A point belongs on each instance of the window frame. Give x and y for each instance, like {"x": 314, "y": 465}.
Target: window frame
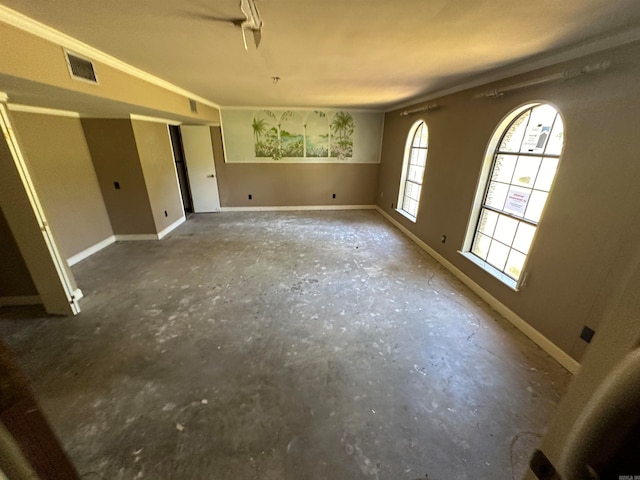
{"x": 482, "y": 188}
{"x": 406, "y": 163}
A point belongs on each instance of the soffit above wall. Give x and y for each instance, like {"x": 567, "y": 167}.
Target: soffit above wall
{"x": 359, "y": 53}
{"x": 25, "y": 92}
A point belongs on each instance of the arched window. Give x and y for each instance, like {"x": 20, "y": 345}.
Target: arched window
{"x": 523, "y": 156}
{"x": 415, "y": 160}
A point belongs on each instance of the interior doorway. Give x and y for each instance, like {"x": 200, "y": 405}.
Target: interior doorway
{"x": 181, "y": 168}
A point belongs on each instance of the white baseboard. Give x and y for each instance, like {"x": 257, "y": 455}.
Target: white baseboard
{"x": 170, "y": 228}
{"x": 77, "y": 294}
{"x": 297, "y": 208}
{"x": 78, "y": 257}
{"x": 20, "y": 300}
{"x": 543, "y": 342}
{"x": 134, "y": 237}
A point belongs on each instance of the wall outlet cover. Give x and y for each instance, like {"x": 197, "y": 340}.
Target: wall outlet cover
{"x": 587, "y": 334}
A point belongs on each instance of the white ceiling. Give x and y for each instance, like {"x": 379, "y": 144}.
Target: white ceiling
{"x": 347, "y": 53}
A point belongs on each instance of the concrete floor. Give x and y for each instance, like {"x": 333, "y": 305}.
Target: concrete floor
{"x": 296, "y": 345}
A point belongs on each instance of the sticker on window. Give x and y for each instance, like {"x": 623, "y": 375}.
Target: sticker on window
{"x": 517, "y": 201}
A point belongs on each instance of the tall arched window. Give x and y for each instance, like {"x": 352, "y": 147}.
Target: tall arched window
{"x": 523, "y": 166}
{"x": 415, "y": 160}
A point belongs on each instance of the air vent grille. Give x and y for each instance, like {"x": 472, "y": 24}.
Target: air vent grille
{"x": 193, "y": 106}
{"x": 81, "y": 68}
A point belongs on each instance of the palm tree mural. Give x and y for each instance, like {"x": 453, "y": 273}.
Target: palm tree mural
{"x": 342, "y": 127}
{"x": 317, "y": 135}
{"x": 281, "y": 134}
{"x": 259, "y": 126}
{"x": 272, "y": 145}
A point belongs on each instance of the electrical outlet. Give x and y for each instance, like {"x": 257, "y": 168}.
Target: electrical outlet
{"x": 116, "y": 185}
{"x": 444, "y": 239}
{"x": 587, "y": 334}
{"x": 334, "y": 195}
{"x": 166, "y": 214}
{"x": 250, "y": 196}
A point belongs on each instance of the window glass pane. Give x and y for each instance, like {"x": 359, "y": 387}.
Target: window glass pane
{"x": 539, "y": 129}
{"x": 546, "y": 174}
{"x": 412, "y": 191}
{"x": 505, "y": 229}
{"x": 418, "y": 156}
{"x": 526, "y": 171}
{"x": 410, "y": 206}
{"x": 524, "y": 236}
{"x": 421, "y": 137}
{"x": 514, "y": 265}
{"x": 513, "y": 138}
{"x": 481, "y": 246}
{"x": 487, "y": 222}
{"x": 503, "y": 168}
{"x": 556, "y": 140}
{"x": 536, "y": 204}
{"x": 407, "y": 191}
{"x": 497, "y": 255}
{"x": 415, "y": 173}
{"x": 496, "y": 195}
{"x": 517, "y": 200}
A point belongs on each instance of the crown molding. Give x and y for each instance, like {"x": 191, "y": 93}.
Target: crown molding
{"x": 145, "y": 118}
{"x": 583, "y": 49}
{"x": 33, "y": 27}
{"x": 41, "y": 110}
{"x": 304, "y": 109}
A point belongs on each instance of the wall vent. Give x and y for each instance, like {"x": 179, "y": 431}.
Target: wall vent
{"x": 193, "y": 106}
{"x": 80, "y": 68}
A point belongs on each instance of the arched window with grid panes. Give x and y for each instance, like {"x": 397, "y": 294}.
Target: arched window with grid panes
{"x": 523, "y": 168}
{"x": 415, "y": 160}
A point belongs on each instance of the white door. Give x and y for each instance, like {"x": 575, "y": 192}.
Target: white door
{"x": 201, "y": 169}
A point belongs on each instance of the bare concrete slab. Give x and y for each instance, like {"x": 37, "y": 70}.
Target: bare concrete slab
{"x": 295, "y": 345}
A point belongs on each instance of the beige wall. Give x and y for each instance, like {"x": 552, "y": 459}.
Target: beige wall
{"x": 115, "y": 157}
{"x": 584, "y": 232}
{"x": 290, "y": 184}
{"x": 63, "y": 174}
{"x": 15, "y": 279}
{"x": 159, "y": 170}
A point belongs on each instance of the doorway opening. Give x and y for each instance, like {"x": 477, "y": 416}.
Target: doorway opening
{"x": 181, "y": 168}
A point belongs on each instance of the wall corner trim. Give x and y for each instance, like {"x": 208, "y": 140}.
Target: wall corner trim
{"x": 145, "y": 118}
{"x": 20, "y": 300}
{"x": 78, "y": 257}
{"x": 543, "y": 342}
{"x": 87, "y": 252}
{"x": 298, "y": 208}
{"x": 170, "y": 228}
{"x": 135, "y": 237}
{"x": 14, "y": 107}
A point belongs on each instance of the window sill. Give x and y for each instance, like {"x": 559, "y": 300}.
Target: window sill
{"x": 406, "y": 215}
{"x": 491, "y": 270}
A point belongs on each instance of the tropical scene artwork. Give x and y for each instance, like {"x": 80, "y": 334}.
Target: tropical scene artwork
{"x": 301, "y": 135}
